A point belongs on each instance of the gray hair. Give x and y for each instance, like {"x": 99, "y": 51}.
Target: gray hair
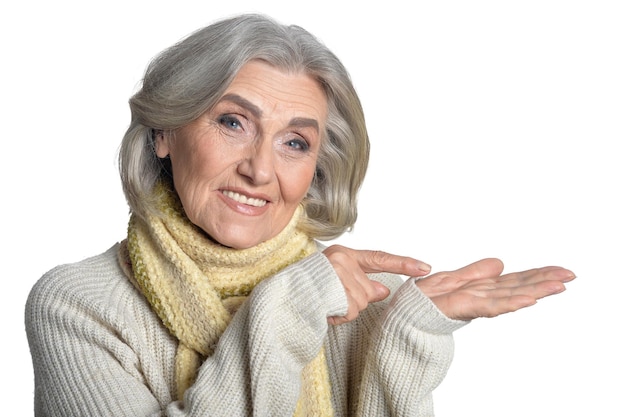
{"x": 188, "y": 79}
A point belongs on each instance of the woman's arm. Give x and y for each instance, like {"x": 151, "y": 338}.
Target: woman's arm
{"x": 95, "y": 344}
{"x": 98, "y": 349}
{"x": 409, "y": 354}
{"x": 410, "y": 346}
{"x": 277, "y": 331}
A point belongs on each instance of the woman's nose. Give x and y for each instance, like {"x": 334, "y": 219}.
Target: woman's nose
{"x": 258, "y": 164}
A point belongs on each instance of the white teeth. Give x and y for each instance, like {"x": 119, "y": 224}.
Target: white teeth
{"x": 256, "y": 202}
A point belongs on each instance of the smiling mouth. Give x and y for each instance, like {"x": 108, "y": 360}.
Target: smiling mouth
{"x": 240, "y": 198}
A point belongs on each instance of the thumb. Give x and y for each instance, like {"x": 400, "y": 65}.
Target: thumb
{"x": 485, "y": 268}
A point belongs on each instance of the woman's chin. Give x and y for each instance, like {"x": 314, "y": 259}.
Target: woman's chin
{"x": 236, "y": 241}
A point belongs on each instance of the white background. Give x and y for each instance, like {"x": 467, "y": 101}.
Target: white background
{"x": 497, "y": 129}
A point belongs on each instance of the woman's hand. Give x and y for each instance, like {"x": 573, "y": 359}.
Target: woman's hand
{"x": 353, "y": 265}
{"x": 478, "y": 290}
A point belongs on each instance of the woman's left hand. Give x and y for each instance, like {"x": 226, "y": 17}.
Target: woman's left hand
{"x": 479, "y": 289}
{"x": 352, "y": 267}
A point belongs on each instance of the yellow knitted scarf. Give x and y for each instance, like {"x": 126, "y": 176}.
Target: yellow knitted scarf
{"x": 196, "y": 285}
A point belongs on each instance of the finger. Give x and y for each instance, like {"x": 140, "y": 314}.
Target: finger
{"x": 379, "y": 261}
{"x": 504, "y": 305}
{"x": 506, "y": 300}
{"x": 548, "y": 273}
{"x": 335, "y": 320}
{"x": 359, "y": 287}
{"x": 380, "y": 292}
{"x": 536, "y": 290}
{"x": 364, "y": 291}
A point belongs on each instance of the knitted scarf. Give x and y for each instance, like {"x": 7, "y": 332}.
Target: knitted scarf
{"x": 196, "y": 285}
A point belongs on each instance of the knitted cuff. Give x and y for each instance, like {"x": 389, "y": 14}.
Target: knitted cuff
{"x": 412, "y": 305}
{"x": 322, "y": 290}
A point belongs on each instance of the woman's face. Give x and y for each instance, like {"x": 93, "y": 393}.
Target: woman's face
{"x": 242, "y": 168}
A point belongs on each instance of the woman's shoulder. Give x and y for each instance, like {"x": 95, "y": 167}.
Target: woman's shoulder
{"x": 88, "y": 280}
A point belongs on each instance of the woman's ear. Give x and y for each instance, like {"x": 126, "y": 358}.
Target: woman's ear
{"x": 161, "y": 144}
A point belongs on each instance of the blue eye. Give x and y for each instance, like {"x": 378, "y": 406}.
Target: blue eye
{"x": 230, "y": 122}
{"x": 298, "y": 144}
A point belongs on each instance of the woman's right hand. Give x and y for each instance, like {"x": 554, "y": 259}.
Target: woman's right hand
{"x": 352, "y": 267}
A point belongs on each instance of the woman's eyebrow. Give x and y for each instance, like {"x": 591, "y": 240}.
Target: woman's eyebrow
{"x": 304, "y": 122}
{"x": 257, "y": 112}
{"x": 246, "y": 104}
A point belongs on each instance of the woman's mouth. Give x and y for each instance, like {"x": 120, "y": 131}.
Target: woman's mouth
{"x": 240, "y": 198}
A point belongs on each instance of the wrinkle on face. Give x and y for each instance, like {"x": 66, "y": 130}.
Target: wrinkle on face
{"x": 261, "y": 140}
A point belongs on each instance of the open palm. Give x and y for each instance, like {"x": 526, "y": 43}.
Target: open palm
{"x": 479, "y": 289}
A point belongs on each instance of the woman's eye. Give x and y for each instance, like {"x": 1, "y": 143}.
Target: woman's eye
{"x": 298, "y": 144}
{"x": 230, "y": 122}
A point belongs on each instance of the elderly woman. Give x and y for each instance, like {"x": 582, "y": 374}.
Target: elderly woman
{"x": 247, "y": 147}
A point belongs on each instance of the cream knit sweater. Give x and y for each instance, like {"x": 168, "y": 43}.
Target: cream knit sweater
{"x": 99, "y": 350}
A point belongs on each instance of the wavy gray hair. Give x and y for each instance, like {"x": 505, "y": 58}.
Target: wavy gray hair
{"x": 187, "y": 79}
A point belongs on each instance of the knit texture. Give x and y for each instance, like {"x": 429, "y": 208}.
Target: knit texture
{"x": 196, "y": 285}
{"x": 98, "y": 348}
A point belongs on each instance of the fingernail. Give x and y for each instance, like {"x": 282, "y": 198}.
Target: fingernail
{"x": 424, "y": 267}
{"x": 566, "y": 275}
{"x": 558, "y": 289}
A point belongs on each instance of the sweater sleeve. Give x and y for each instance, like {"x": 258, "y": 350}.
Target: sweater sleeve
{"x": 98, "y": 349}
{"x": 256, "y": 367}
{"x": 86, "y": 346}
{"x": 407, "y": 357}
